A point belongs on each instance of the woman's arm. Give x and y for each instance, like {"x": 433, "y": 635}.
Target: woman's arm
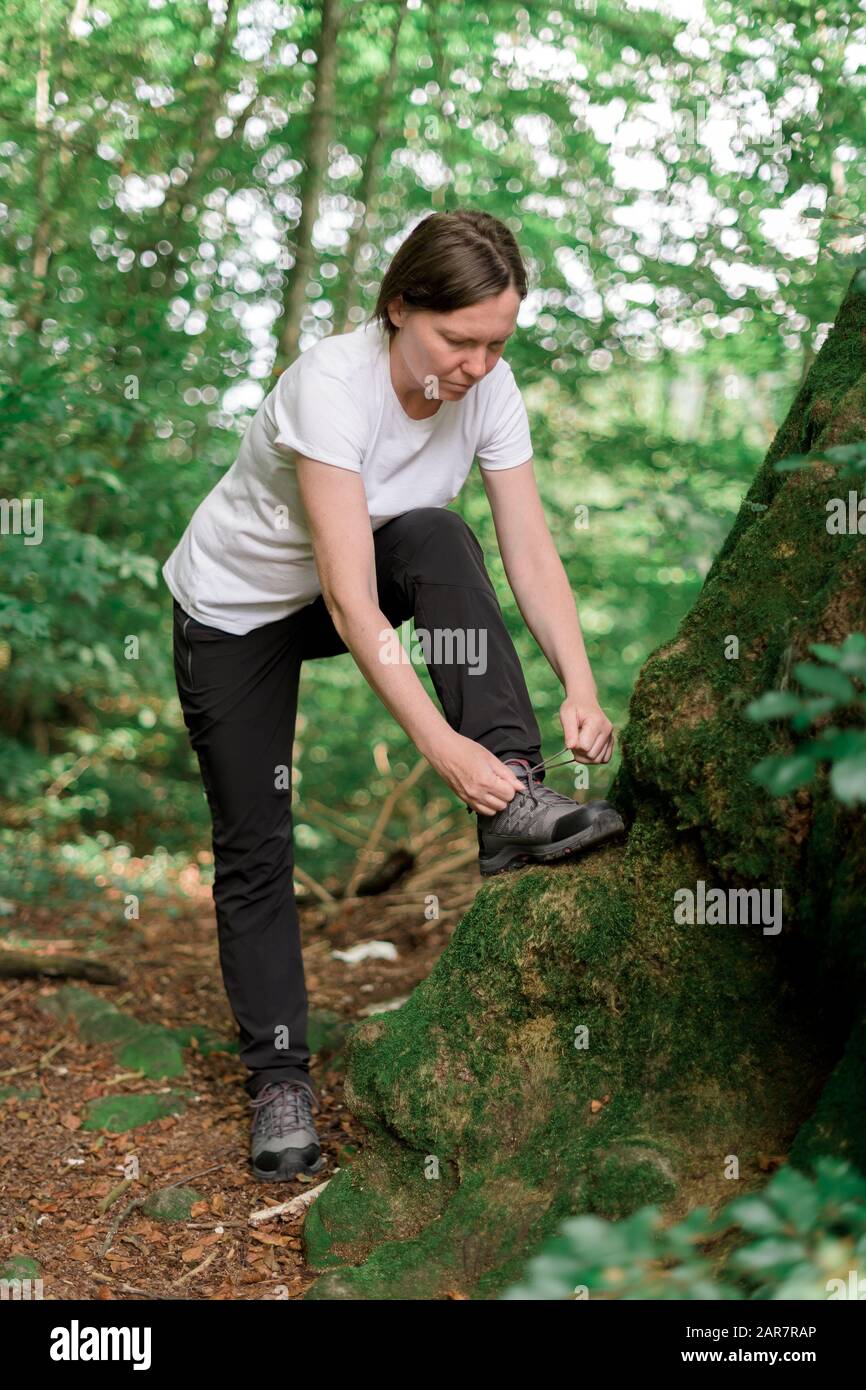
{"x": 335, "y": 505}
{"x": 543, "y": 594}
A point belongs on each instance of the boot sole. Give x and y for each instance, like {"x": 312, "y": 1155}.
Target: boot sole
{"x": 290, "y": 1164}
{"x": 606, "y": 827}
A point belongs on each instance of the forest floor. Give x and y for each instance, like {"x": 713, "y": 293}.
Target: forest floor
{"x": 55, "y": 1175}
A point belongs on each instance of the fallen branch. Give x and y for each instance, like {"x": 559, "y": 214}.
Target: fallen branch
{"x": 126, "y": 1288}
{"x": 40, "y": 1061}
{"x": 114, "y": 1195}
{"x": 315, "y": 810}
{"x": 140, "y": 1201}
{"x": 387, "y": 810}
{"x": 396, "y": 867}
{"x": 315, "y": 888}
{"x": 439, "y": 870}
{"x": 431, "y": 833}
{"x": 121, "y": 1217}
{"x": 22, "y": 965}
{"x": 66, "y": 778}
{"x": 293, "y": 1207}
{"x": 209, "y": 1259}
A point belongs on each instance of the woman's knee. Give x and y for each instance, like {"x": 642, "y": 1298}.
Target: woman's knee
{"x": 441, "y": 538}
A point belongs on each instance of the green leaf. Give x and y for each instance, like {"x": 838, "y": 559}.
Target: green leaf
{"x": 848, "y": 779}
{"x": 774, "y": 704}
{"x": 781, "y": 775}
{"x": 772, "y": 1255}
{"x": 840, "y": 743}
{"x": 825, "y": 680}
{"x": 853, "y": 654}
{"x": 794, "y": 1197}
{"x": 819, "y": 704}
{"x": 845, "y": 453}
{"x": 755, "y": 1216}
{"x": 793, "y": 462}
{"x": 826, "y": 652}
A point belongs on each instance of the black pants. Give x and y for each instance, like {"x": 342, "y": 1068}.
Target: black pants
{"x": 239, "y": 697}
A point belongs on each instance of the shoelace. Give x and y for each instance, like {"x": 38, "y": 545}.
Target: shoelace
{"x": 286, "y": 1099}
{"x": 547, "y": 762}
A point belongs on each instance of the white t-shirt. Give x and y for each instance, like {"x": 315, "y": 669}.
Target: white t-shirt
{"x": 246, "y": 557}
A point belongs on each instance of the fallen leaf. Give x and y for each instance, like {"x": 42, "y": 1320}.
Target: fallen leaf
{"x": 195, "y": 1252}
{"x": 192, "y": 1253}
{"x": 268, "y": 1239}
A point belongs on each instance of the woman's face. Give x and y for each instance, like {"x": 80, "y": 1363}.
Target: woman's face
{"x": 447, "y": 354}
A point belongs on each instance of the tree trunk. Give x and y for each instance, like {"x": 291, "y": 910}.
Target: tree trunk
{"x": 371, "y": 175}
{"x": 492, "y": 1116}
{"x": 321, "y": 126}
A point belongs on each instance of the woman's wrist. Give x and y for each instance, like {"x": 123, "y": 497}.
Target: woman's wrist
{"x": 583, "y": 691}
{"x": 435, "y": 744}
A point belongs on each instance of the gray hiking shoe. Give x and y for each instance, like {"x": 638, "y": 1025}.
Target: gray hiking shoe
{"x": 541, "y": 825}
{"x": 283, "y": 1140}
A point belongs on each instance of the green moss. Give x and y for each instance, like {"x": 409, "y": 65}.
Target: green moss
{"x": 120, "y": 1113}
{"x": 206, "y": 1039}
{"x": 389, "y": 1193}
{"x": 150, "y": 1048}
{"x": 326, "y": 1031}
{"x": 707, "y": 1043}
{"x": 838, "y": 1124}
{"x": 20, "y": 1267}
{"x": 171, "y": 1203}
{"x": 624, "y": 1178}
{"x": 20, "y": 1093}
{"x": 153, "y": 1052}
{"x": 690, "y": 1038}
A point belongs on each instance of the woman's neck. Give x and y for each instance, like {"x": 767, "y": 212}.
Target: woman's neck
{"x": 411, "y": 396}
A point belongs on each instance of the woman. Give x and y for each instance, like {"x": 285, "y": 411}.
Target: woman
{"x": 330, "y": 529}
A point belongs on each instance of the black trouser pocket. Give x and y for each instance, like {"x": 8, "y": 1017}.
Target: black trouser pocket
{"x": 186, "y": 622}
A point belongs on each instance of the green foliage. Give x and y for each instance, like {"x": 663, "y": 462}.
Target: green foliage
{"x": 851, "y": 458}
{"x": 830, "y": 688}
{"x": 799, "y": 1238}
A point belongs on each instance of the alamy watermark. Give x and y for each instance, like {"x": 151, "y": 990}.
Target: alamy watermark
{"x": 15, "y": 1290}
{"x": 438, "y": 646}
{"x": 77, "y": 1343}
{"x": 720, "y": 906}
{"x": 22, "y": 516}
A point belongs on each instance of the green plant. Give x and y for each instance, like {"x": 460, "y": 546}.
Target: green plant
{"x": 851, "y": 457}
{"x": 830, "y": 687}
{"x": 801, "y": 1238}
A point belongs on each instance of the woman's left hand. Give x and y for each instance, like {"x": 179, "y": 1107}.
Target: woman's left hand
{"x": 587, "y": 729}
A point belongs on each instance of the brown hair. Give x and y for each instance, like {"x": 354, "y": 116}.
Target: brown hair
{"x": 448, "y": 261}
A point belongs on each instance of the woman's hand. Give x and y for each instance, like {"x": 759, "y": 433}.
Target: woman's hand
{"x": 478, "y": 777}
{"x": 587, "y": 729}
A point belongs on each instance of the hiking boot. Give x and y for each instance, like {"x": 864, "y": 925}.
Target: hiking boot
{"x": 540, "y": 825}
{"x": 283, "y": 1139}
